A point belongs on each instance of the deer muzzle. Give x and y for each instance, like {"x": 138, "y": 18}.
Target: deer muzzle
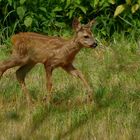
{"x": 94, "y": 45}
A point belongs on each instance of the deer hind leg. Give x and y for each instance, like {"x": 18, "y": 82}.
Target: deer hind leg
{"x": 73, "y": 71}
{"x": 20, "y": 74}
{"x": 49, "y": 83}
{"x": 11, "y": 62}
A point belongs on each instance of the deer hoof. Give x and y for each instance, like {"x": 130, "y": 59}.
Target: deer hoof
{"x": 89, "y": 99}
{"x": 30, "y": 102}
{"x": 46, "y": 100}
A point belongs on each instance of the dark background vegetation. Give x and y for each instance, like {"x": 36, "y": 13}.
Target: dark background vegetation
{"x": 54, "y": 17}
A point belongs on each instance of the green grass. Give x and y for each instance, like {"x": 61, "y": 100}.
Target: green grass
{"x": 114, "y": 75}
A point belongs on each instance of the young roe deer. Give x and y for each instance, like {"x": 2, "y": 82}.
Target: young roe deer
{"x": 31, "y": 48}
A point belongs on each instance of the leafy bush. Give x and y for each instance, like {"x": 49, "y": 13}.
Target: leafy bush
{"x": 54, "y": 17}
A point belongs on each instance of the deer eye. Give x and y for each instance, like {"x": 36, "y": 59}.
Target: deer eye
{"x": 86, "y": 36}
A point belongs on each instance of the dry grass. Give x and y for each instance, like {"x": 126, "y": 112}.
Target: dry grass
{"x": 114, "y": 75}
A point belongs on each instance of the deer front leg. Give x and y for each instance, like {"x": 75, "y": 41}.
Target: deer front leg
{"x": 49, "y": 83}
{"x": 73, "y": 71}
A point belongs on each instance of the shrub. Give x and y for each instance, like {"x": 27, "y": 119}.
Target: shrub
{"x": 55, "y": 17}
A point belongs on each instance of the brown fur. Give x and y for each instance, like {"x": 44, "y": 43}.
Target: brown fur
{"x": 32, "y": 48}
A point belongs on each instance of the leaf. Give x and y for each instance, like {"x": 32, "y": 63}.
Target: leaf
{"x": 10, "y": 2}
{"x": 43, "y": 9}
{"x": 28, "y": 21}
{"x": 70, "y": 13}
{"x": 83, "y": 9}
{"x": 139, "y": 2}
{"x": 78, "y": 2}
{"x": 22, "y": 1}
{"x": 21, "y": 12}
{"x": 119, "y": 10}
{"x": 60, "y": 24}
{"x": 112, "y": 1}
{"x": 94, "y": 3}
{"x": 68, "y": 2}
{"x": 128, "y": 2}
{"x": 134, "y": 8}
{"x": 57, "y": 9}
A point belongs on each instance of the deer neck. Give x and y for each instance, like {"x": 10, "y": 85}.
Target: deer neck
{"x": 73, "y": 46}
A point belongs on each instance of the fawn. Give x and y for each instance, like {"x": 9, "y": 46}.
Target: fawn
{"x": 31, "y": 48}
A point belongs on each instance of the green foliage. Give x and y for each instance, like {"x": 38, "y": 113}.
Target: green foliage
{"x": 135, "y": 5}
{"x": 54, "y": 17}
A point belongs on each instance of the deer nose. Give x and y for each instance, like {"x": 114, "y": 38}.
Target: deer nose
{"x": 94, "y": 45}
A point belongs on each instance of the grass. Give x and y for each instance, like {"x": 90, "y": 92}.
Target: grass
{"x": 114, "y": 75}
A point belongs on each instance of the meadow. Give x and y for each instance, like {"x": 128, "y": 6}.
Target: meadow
{"x": 113, "y": 71}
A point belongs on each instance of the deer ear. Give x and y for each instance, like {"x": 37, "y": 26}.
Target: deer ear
{"x": 90, "y": 23}
{"x": 76, "y": 25}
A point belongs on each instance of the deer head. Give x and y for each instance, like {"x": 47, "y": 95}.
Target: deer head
{"x": 84, "y": 36}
